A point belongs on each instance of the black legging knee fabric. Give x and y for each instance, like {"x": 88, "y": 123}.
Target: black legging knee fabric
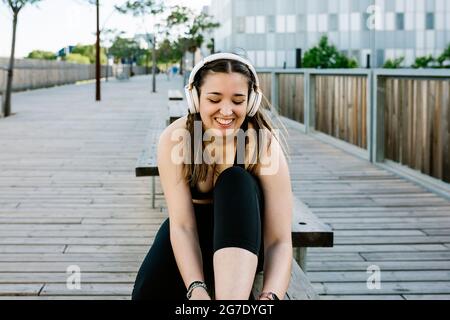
{"x": 234, "y": 219}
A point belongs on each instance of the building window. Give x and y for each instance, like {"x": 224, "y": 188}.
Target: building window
{"x": 251, "y": 56}
{"x": 333, "y": 22}
{"x": 366, "y": 21}
{"x": 420, "y": 21}
{"x": 380, "y": 57}
{"x": 270, "y": 23}
{"x": 312, "y": 22}
{"x": 250, "y": 24}
{"x": 409, "y": 21}
{"x": 322, "y": 23}
{"x": 344, "y": 22}
{"x": 240, "y": 25}
{"x": 281, "y": 24}
{"x": 270, "y": 55}
{"x": 430, "y": 21}
{"x": 400, "y": 21}
{"x": 290, "y": 23}
{"x": 260, "y": 58}
{"x": 355, "y": 54}
{"x": 355, "y": 19}
{"x": 281, "y": 58}
{"x": 301, "y": 22}
{"x": 260, "y": 24}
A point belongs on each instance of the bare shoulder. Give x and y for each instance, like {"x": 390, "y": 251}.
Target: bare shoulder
{"x": 170, "y": 130}
{"x": 170, "y": 135}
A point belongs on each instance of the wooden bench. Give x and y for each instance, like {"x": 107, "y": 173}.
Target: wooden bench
{"x": 174, "y": 94}
{"x": 177, "y": 109}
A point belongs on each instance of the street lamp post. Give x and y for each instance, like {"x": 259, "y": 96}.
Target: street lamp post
{"x": 97, "y": 56}
{"x": 154, "y": 64}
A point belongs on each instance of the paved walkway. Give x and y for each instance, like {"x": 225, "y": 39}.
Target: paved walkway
{"x": 68, "y": 196}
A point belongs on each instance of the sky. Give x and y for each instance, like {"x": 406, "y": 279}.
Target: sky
{"x": 54, "y": 24}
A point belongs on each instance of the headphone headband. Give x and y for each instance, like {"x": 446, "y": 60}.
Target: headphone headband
{"x": 219, "y": 56}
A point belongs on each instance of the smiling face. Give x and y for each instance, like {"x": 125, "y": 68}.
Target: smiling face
{"x": 223, "y": 101}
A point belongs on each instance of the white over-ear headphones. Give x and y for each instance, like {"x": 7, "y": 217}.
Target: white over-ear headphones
{"x": 254, "y": 99}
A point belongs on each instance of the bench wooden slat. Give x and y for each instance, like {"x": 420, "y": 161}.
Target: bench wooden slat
{"x": 175, "y": 94}
{"x": 307, "y": 229}
{"x": 177, "y": 109}
{"x": 299, "y": 286}
{"x": 147, "y": 164}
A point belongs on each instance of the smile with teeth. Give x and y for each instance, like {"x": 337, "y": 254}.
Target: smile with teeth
{"x": 224, "y": 122}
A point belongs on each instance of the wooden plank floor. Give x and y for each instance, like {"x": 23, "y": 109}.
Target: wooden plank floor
{"x": 68, "y": 192}
{"x": 68, "y": 196}
{"x": 379, "y": 219}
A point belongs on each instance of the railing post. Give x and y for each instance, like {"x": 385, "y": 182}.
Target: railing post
{"x": 369, "y": 114}
{"x": 378, "y": 105}
{"x": 309, "y": 101}
{"x": 274, "y": 91}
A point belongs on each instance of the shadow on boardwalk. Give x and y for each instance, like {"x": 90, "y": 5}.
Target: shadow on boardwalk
{"x": 68, "y": 196}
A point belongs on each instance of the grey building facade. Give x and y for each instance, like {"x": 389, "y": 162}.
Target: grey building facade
{"x": 273, "y": 31}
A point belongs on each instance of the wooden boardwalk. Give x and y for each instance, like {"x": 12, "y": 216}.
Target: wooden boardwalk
{"x": 68, "y": 196}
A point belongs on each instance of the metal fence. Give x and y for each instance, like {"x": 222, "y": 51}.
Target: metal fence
{"x": 34, "y": 73}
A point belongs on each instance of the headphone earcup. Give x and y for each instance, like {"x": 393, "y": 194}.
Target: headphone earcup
{"x": 190, "y": 103}
{"x": 195, "y": 101}
{"x": 192, "y": 99}
{"x": 253, "y": 102}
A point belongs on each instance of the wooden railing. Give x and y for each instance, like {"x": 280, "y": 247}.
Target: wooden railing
{"x": 341, "y": 108}
{"x": 416, "y": 123}
{"x": 391, "y": 116}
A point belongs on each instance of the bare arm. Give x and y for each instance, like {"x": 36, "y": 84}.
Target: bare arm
{"x": 276, "y": 185}
{"x": 183, "y": 227}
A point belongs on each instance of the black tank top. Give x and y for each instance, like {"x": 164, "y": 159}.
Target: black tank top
{"x": 196, "y": 194}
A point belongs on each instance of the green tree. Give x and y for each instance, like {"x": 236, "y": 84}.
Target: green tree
{"x": 164, "y": 52}
{"x": 195, "y": 26}
{"x": 77, "y": 58}
{"x": 15, "y": 6}
{"x": 393, "y": 63}
{"x": 444, "y": 57}
{"x": 179, "y": 47}
{"x": 89, "y": 52}
{"x": 43, "y": 55}
{"x": 144, "y": 8}
{"x": 423, "y": 62}
{"x": 201, "y": 23}
{"x": 326, "y": 55}
{"x": 123, "y": 48}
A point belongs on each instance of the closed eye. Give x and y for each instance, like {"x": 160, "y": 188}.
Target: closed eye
{"x": 235, "y": 102}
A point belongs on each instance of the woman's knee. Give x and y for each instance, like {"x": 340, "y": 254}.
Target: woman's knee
{"x": 236, "y": 184}
{"x": 237, "y": 211}
{"x": 232, "y": 177}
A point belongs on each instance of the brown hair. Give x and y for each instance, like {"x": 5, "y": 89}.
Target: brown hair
{"x": 193, "y": 173}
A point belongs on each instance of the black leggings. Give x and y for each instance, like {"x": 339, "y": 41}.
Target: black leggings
{"x": 234, "y": 219}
